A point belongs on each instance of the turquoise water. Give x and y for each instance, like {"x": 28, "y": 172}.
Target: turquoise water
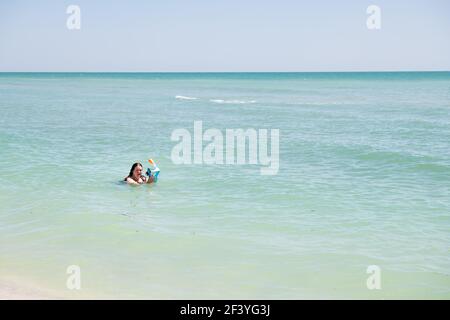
{"x": 364, "y": 179}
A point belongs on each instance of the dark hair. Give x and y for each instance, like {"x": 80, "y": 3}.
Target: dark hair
{"x": 132, "y": 169}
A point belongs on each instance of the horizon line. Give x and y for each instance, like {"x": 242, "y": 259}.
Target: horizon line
{"x": 359, "y": 71}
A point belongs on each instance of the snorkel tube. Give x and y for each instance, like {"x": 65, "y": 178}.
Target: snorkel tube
{"x": 154, "y": 172}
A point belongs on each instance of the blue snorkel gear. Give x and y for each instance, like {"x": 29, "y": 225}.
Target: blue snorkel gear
{"x": 154, "y": 172}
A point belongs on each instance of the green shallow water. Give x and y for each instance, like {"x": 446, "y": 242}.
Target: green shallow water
{"x": 364, "y": 179}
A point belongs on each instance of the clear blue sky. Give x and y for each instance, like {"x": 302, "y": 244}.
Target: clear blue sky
{"x": 225, "y": 35}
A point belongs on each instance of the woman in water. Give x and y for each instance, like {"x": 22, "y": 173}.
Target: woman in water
{"x": 135, "y": 176}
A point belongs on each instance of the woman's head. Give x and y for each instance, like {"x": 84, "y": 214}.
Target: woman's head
{"x": 135, "y": 171}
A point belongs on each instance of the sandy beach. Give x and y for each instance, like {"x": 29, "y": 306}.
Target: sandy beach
{"x": 13, "y": 290}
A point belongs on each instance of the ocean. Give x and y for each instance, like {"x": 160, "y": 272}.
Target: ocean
{"x": 363, "y": 184}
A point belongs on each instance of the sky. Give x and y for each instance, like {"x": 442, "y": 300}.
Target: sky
{"x": 224, "y": 36}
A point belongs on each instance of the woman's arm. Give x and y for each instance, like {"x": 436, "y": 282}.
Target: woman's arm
{"x": 132, "y": 182}
{"x": 150, "y": 179}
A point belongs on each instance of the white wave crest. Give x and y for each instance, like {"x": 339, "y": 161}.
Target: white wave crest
{"x": 185, "y": 98}
{"x": 232, "y": 101}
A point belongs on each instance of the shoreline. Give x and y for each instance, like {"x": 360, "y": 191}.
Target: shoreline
{"x": 13, "y": 289}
